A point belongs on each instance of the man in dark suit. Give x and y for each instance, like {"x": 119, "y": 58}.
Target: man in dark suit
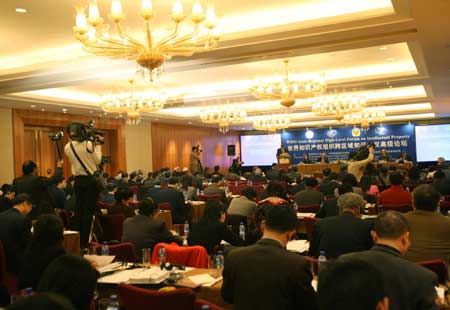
{"x": 144, "y": 231}
{"x": 329, "y": 207}
{"x": 267, "y": 276}
{"x": 214, "y": 189}
{"x": 257, "y": 176}
{"x": 309, "y": 196}
{"x": 15, "y": 231}
{"x": 36, "y": 187}
{"x": 440, "y": 183}
{"x": 329, "y": 183}
{"x": 342, "y": 234}
{"x": 180, "y": 211}
{"x": 409, "y": 286}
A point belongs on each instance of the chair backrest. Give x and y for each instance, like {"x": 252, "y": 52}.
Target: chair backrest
{"x": 191, "y": 256}
{"x": 402, "y": 208}
{"x": 216, "y": 197}
{"x": 164, "y": 206}
{"x": 308, "y": 209}
{"x": 309, "y": 224}
{"x": 136, "y": 298}
{"x": 112, "y": 226}
{"x": 439, "y": 267}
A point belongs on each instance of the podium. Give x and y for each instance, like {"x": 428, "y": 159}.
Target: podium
{"x": 284, "y": 161}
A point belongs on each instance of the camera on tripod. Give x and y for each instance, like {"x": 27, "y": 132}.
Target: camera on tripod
{"x": 93, "y": 134}
{"x": 56, "y": 136}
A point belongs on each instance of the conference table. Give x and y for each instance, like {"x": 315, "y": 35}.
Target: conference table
{"x": 312, "y": 169}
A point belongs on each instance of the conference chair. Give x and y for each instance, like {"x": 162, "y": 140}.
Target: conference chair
{"x": 9, "y": 280}
{"x": 439, "y": 267}
{"x": 112, "y": 226}
{"x": 309, "y": 225}
{"x": 402, "y": 208}
{"x": 190, "y": 256}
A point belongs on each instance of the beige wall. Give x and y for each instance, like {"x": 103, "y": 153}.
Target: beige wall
{"x": 6, "y": 153}
{"x": 138, "y": 140}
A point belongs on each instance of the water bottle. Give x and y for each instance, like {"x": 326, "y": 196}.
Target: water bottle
{"x": 198, "y": 191}
{"x": 219, "y": 260}
{"x": 105, "y": 249}
{"x": 113, "y": 303}
{"x": 162, "y": 255}
{"x": 295, "y": 206}
{"x": 186, "y": 229}
{"x": 242, "y": 231}
{"x": 322, "y": 261}
{"x": 134, "y": 197}
{"x": 28, "y": 291}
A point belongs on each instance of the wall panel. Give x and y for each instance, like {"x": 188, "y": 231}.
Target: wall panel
{"x": 172, "y": 145}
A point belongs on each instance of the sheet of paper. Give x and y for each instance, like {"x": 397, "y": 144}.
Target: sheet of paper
{"x": 148, "y": 275}
{"x": 100, "y": 260}
{"x": 117, "y": 277}
{"x": 212, "y": 283}
{"x": 298, "y": 246}
{"x": 70, "y": 232}
{"x": 202, "y": 279}
{"x": 301, "y": 215}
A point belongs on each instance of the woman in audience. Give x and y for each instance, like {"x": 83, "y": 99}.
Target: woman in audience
{"x": 211, "y": 229}
{"x": 6, "y": 197}
{"x": 123, "y": 197}
{"x": 72, "y": 277}
{"x": 187, "y": 189}
{"x": 44, "y": 247}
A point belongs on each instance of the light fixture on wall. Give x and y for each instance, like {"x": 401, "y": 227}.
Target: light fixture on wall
{"x": 338, "y": 105}
{"x": 223, "y": 116}
{"x": 150, "y": 53}
{"x": 288, "y": 90}
{"x": 271, "y": 123}
{"x": 132, "y": 105}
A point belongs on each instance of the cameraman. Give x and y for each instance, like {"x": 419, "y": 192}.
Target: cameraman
{"x": 359, "y": 160}
{"x": 85, "y": 154}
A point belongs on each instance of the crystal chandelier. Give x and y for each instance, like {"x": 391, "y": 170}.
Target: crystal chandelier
{"x": 365, "y": 118}
{"x": 223, "y": 116}
{"x": 271, "y": 123}
{"x": 287, "y": 90}
{"x": 338, "y": 105}
{"x": 149, "y": 53}
{"x": 133, "y": 105}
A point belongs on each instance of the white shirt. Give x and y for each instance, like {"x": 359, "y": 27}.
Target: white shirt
{"x": 90, "y": 160}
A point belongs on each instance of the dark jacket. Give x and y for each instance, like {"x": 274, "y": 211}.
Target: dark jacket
{"x": 119, "y": 208}
{"x": 36, "y": 260}
{"x": 15, "y": 232}
{"x": 257, "y": 178}
{"x": 341, "y": 234}
{"x": 409, "y": 286}
{"x": 146, "y": 232}
{"x": 5, "y": 204}
{"x": 180, "y": 211}
{"x": 328, "y": 209}
{"x": 308, "y": 197}
{"x": 443, "y": 188}
{"x": 210, "y": 233}
{"x": 265, "y": 276}
{"x": 327, "y": 187}
{"x": 214, "y": 189}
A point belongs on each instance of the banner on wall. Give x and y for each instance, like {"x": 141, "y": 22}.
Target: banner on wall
{"x": 338, "y": 142}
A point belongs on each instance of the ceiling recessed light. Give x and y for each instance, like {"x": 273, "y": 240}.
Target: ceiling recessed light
{"x": 390, "y": 59}
{"x": 156, "y": 119}
{"x": 120, "y": 115}
{"x": 91, "y": 112}
{"x": 64, "y": 110}
{"x": 43, "y": 110}
{"x": 21, "y": 10}
{"x": 383, "y": 48}
{"x": 190, "y": 123}
{"x": 32, "y": 106}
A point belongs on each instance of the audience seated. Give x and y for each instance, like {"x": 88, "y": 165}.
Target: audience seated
{"x": 409, "y": 286}
{"x": 189, "y": 192}
{"x": 257, "y": 176}
{"x": 297, "y": 187}
{"x": 395, "y": 195}
{"x": 72, "y": 277}
{"x": 214, "y": 189}
{"x": 15, "y": 231}
{"x": 350, "y": 179}
{"x": 44, "y": 247}
{"x": 352, "y": 285}
{"x": 47, "y": 301}
{"x": 144, "y": 231}
{"x": 342, "y": 234}
{"x": 245, "y": 204}
{"x": 211, "y": 230}
{"x": 274, "y": 189}
{"x": 310, "y": 195}
{"x": 429, "y": 230}
{"x": 108, "y": 195}
{"x": 123, "y": 198}
{"x": 440, "y": 183}
{"x": 328, "y": 184}
{"x": 216, "y": 172}
{"x": 329, "y": 207}
{"x": 122, "y": 179}
{"x": 292, "y": 174}
{"x": 6, "y": 197}
{"x": 57, "y": 188}
{"x": 180, "y": 211}
{"x": 265, "y": 275}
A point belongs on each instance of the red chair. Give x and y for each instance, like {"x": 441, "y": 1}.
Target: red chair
{"x": 103, "y": 205}
{"x": 444, "y": 206}
{"x": 134, "y": 188}
{"x": 122, "y": 251}
{"x": 309, "y": 224}
{"x": 308, "y": 209}
{"x": 164, "y": 206}
{"x": 394, "y": 207}
{"x": 9, "y": 280}
{"x": 191, "y": 256}
{"x": 439, "y": 267}
{"x": 236, "y": 190}
{"x": 205, "y": 198}
{"x": 112, "y": 226}
{"x": 136, "y": 298}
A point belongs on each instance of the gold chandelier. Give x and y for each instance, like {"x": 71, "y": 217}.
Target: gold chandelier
{"x": 271, "y": 123}
{"x": 132, "y": 105}
{"x": 223, "y": 116}
{"x": 338, "y": 105}
{"x": 287, "y": 90}
{"x": 365, "y": 118}
{"x": 149, "y": 54}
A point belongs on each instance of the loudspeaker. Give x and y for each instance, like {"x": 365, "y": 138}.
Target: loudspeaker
{"x": 231, "y": 150}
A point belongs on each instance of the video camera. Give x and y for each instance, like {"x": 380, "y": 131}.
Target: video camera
{"x": 79, "y": 132}
{"x": 362, "y": 152}
{"x": 56, "y": 136}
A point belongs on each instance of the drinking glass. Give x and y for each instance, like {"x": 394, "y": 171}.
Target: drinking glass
{"x": 146, "y": 257}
